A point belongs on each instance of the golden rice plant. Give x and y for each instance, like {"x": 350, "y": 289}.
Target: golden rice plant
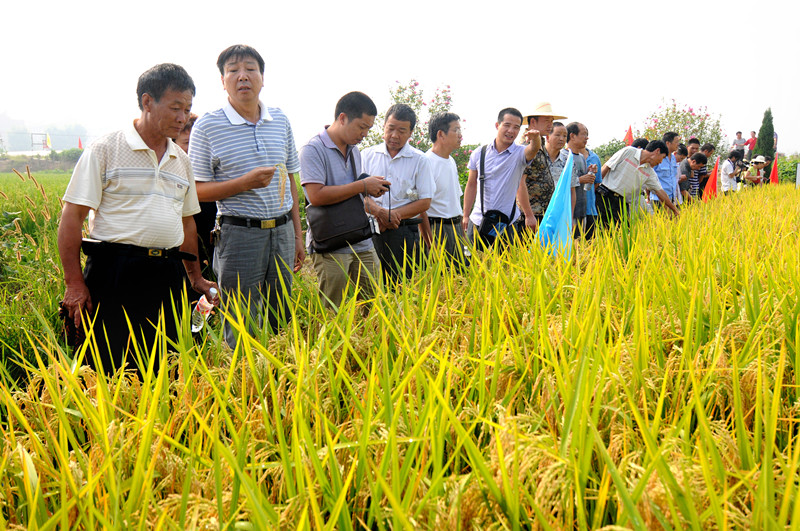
{"x": 651, "y": 382}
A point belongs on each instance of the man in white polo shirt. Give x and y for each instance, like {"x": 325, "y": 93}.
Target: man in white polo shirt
{"x": 445, "y": 214}
{"x": 244, "y": 158}
{"x": 410, "y": 194}
{"x": 625, "y": 175}
{"x": 138, "y": 189}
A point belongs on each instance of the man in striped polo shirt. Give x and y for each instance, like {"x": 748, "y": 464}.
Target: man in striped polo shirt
{"x": 244, "y": 158}
{"x": 138, "y": 186}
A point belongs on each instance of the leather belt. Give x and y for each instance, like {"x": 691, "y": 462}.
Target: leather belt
{"x": 97, "y": 247}
{"x": 256, "y": 223}
{"x": 602, "y": 190}
{"x": 445, "y": 221}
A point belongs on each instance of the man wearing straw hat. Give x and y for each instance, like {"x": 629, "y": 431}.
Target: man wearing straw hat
{"x": 244, "y": 158}
{"x": 538, "y": 180}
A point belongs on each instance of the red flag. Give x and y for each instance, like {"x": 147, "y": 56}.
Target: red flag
{"x": 711, "y": 186}
{"x": 80, "y": 144}
{"x": 773, "y": 175}
{"x": 628, "y": 137}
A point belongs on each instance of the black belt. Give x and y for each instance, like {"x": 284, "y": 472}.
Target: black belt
{"x": 256, "y": 223}
{"x": 410, "y": 222}
{"x": 602, "y": 190}
{"x": 445, "y": 221}
{"x": 97, "y": 247}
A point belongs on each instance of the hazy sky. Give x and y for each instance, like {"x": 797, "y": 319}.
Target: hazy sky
{"x": 607, "y": 64}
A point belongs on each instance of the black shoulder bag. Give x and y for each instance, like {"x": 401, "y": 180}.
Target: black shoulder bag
{"x": 339, "y": 225}
{"x": 495, "y": 222}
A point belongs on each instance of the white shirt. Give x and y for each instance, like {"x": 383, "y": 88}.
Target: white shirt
{"x": 446, "y": 200}
{"x": 727, "y": 179}
{"x": 628, "y": 176}
{"x": 135, "y": 198}
{"x": 409, "y": 173}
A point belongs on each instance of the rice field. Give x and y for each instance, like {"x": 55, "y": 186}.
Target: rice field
{"x": 650, "y": 383}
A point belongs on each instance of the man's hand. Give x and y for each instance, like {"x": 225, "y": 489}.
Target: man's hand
{"x": 201, "y": 285}
{"x": 299, "y": 254}
{"x": 259, "y": 177}
{"x": 532, "y": 223}
{"x": 375, "y": 186}
{"x": 531, "y": 135}
{"x": 586, "y": 179}
{"x": 388, "y": 221}
{"x": 77, "y": 301}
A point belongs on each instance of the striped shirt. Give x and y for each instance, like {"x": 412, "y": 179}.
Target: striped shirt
{"x": 135, "y": 198}
{"x": 224, "y": 146}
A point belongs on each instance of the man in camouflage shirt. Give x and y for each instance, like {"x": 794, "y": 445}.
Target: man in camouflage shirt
{"x": 537, "y": 173}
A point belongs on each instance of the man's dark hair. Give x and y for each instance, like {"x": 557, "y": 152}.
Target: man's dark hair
{"x": 162, "y": 78}
{"x": 682, "y": 150}
{"x": 708, "y": 147}
{"x": 402, "y": 112}
{"x": 693, "y": 140}
{"x": 738, "y": 132}
{"x": 441, "y": 122}
{"x": 573, "y": 128}
{"x": 657, "y": 145}
{"x": 189, "y": 123}
{"x": 509, "y": 110}
{"x": 354, "y": 105}
{"x": 753, "y": 132}
{"x": 736, "y": 154}
{"x": 238, "y": 52}
{"x": 700, "y": 158}
{"x": 558, "y": 124}
{"x": 640, "y": 143}
{"x": 670, "y": 136}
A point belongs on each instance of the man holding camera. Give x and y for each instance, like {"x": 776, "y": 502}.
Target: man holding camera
{"x": 730, "y": 170}
{"x": 329, "y": 164}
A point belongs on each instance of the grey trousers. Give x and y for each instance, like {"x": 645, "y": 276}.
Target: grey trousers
{"x": 254, "y": 269}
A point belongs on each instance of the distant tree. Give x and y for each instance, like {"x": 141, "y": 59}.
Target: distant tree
{"x": 765, "y": 143}
{"x": 605, "y": 151}
{"x": 412, "y": 95}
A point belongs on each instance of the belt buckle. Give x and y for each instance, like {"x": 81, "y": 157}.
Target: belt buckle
{"x": 267, "y": 223}
{"x": 158, "y": 253}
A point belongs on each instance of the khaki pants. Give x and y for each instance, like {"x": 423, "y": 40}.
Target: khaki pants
{"x": 335, "y": 270}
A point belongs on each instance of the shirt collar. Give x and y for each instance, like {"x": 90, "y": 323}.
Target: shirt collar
{"x": 405, "y": 151}
{"x": 136, "y": 143}
{"x": 236, "y": 119}
{"x": 328, "y": 142}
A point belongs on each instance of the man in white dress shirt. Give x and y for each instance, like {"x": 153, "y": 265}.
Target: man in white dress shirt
{"x": 398, "y": 212}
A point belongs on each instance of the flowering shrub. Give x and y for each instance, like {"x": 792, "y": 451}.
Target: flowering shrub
{"x": 412, "y": 95}
{"x": 689, "y": 122}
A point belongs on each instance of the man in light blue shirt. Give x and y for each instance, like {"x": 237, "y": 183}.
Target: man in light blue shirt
{"x": 244, "y": 158}
{"x": 667, "y": 171}
{"x": 504, "y": 163}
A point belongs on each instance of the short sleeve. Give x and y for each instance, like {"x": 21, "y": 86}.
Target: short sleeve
{"x": 85, "y": 188}
{"x": 200, "y": 153}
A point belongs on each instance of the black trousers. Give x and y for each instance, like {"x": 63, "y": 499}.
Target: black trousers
{"x": 398, "y": 251}
{"x": 136, "y": 286}
{"x": 609, "y": 209}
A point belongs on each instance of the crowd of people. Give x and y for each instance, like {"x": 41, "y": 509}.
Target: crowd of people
{"x": 371, "y": 214}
